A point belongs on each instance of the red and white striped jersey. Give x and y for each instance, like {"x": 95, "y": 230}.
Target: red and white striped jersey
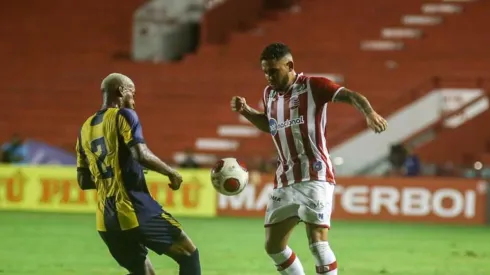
{"x": 297, "y": 123}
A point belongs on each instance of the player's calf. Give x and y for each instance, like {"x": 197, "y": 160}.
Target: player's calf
{"x": 149, "y": 270}
{"x": 325, "y": 261}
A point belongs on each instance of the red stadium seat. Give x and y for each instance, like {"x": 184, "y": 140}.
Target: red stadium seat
{"x": 57, "y": 54}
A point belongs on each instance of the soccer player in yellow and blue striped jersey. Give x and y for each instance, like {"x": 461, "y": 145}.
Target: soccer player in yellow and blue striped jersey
{"x": 111, "y": 154}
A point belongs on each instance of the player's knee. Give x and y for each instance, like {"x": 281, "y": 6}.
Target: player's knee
{"x": 277, "y": 235}
{"x": 274, "y": 246}
{"x": 186, "y": 254}
{"x": 181, "y": 250}
{"x": 316, "y": 233}
{"x": 183, "y": 246}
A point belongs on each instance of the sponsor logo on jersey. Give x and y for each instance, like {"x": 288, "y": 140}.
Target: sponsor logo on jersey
{"x": 274, "y": 127}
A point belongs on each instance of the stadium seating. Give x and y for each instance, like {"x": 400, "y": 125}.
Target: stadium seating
{"x": 57, "y": 53}
{"x": 464, "y": 145}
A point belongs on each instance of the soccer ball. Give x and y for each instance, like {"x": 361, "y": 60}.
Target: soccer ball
{"x": 229, "y": 177}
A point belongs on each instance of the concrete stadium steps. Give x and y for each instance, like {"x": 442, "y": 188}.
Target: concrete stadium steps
{"x": 353, "y": 16}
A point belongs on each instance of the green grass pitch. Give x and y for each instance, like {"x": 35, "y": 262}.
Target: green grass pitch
{"x": 61, "y": 244}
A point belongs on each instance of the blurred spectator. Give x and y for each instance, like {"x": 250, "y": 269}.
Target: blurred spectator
{"x": 397, "y": 158}
{"x": 485, "y": 172}
{"x": 469, "y": 172}
{"x": 189, "y": 161}
{"x": 14, "y": 151}
{"x": 403, "y": 162}
{"x": 411, "y": 165}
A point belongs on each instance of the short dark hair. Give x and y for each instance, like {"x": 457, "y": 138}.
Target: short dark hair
{"x": 275, "y": 51}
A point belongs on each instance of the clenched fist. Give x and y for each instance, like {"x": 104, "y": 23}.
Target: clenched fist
{"x": 376, "y": 122}
{"x": 238, "y": 104}
{"x": 175, "y": 180}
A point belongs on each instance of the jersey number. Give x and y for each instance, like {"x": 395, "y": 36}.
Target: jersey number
{"x": 98, "y": 146}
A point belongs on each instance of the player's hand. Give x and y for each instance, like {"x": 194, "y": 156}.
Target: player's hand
{"x": 376, "y": 122}
{"x": 238, "y": 104}
{"x": 175, "y": 180}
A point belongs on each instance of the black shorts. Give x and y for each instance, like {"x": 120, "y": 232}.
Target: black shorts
{"x": 129, "y": 247}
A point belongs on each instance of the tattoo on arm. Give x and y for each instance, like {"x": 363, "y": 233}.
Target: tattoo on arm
{"x": 147, "y": 159}
{"x": 357, "y": 100}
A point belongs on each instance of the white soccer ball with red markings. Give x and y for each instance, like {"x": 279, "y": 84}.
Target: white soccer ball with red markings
{"x": 229, "y": 177}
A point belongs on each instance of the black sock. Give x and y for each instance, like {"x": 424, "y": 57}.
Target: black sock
{"x": 137, "y": 269}
{"x": 190, "y": 265}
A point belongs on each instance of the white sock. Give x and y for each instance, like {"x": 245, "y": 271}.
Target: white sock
{"x": 326, "y": 263}
{"x": 287, "y": 263}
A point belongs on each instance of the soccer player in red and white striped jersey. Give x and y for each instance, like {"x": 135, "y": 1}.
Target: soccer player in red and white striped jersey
{"x": 295, "y": 114}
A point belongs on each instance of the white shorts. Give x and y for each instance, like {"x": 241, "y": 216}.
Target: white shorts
{"x": 310, "y": 201}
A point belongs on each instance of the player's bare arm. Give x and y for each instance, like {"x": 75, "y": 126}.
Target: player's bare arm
{"x": 146, "y": 158}
{"x": 376, "y": 122}
{"x": 257, "y": 118}
{"x": 85, "y": 179}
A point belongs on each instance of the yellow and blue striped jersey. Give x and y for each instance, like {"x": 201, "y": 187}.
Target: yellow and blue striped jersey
{"x": 102, "y": 147}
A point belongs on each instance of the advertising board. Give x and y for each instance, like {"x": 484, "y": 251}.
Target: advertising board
{"x": 434, "y": 200}
{"x": 55, "y": 189}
